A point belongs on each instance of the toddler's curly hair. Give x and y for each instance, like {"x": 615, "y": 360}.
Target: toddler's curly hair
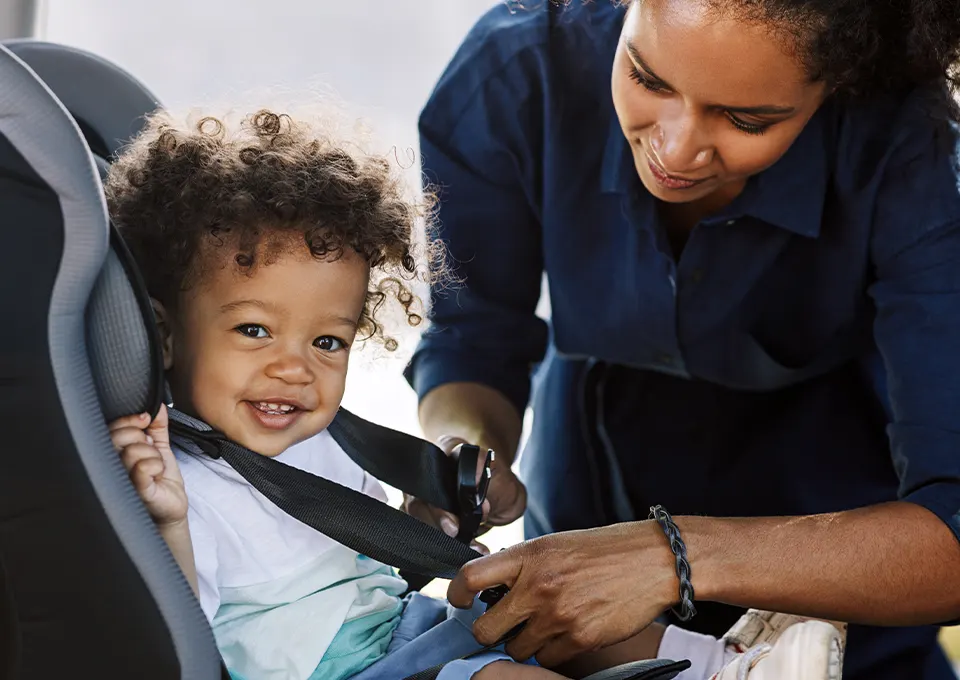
{"x": 179, "y": 187}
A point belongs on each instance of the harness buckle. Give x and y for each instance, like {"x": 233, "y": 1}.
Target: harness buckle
{"x": 472, "y": 492}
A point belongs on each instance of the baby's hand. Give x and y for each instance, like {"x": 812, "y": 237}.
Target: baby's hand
{"x": 145, "y": 450}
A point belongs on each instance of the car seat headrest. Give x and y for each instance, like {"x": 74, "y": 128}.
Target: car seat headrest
{"x": 122, "y": 340}
{"x": 107, "y": 102}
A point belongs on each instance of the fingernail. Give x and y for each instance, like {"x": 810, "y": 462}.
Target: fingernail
{"x": 149, "y": 440}
{"x": 449, "y": 527}
{"x": 144, "y": 416}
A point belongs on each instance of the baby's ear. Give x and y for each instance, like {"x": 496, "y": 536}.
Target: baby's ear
{"x": 166, "y": 332}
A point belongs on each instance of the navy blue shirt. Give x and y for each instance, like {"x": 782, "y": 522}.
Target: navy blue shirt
{"x": 803, "y": 355}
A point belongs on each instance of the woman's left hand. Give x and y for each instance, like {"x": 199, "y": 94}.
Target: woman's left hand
{"x": 578, "y": 591}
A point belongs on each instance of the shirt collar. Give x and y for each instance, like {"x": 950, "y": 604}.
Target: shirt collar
{"x": 790, "y": 194}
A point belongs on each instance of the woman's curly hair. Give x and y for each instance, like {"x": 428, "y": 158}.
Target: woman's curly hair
{"x": 864, "y": 48}
{"x": 180, "y": 187}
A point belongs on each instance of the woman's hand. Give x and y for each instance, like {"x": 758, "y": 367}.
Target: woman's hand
{"x": 506, "y": 498}
{"x": 144, "y": 448}
{"x": 577, "y": 591}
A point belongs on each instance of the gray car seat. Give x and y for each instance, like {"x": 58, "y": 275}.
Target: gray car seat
{"x": 87, "y": 586}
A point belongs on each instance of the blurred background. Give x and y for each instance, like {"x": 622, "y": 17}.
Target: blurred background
{"x": 379, "y": 59}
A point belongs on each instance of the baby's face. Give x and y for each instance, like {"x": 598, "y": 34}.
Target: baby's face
{"x": 263, "y": 357}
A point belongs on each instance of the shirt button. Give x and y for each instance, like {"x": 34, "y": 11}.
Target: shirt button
{"x": 664, "y": 359}
{"x": 730, "y": 223}
{"x": 696, "y": 276}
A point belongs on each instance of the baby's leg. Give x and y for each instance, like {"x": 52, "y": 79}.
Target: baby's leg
{"x": 507, "y": 670}
{"x": 643, "y": 645}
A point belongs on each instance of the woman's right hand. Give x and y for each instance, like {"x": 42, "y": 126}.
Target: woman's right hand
{"x": 506, "y": 498}
{"x": 144, "y": 448}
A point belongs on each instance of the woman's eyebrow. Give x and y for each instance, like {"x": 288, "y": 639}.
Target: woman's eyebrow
{"x": 759, "y": 110}
{"x": 635, "y": 55}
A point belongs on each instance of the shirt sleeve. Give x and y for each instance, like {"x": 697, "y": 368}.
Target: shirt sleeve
{"x": 479, "y": 142}
{"x": 916, "y": 255}
{"x": 204, "y": 540}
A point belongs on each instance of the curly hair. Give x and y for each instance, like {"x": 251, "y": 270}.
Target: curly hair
{"x": 180, "y": 187}
{"x": 862, "y": 48}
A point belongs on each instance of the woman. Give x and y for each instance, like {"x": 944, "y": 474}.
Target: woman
{"x": 753, "y": 256}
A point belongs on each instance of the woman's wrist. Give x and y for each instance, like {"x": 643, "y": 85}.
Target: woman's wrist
{"x": 709, "y": 542}
{"x": 658, "y": 571}
{"x": 705, "y": 539}
{"x": 474, "y": 413}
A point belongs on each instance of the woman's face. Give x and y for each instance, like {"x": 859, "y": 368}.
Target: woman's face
{"x": 705, "y": 100}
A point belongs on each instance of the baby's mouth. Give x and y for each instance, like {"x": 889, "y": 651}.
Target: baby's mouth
{"x": 273, "y": 409}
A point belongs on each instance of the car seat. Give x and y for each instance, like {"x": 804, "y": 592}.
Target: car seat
{"x": 87, "y": 586}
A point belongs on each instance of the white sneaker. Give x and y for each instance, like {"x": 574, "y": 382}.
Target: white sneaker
{"x": 804, "y": 650}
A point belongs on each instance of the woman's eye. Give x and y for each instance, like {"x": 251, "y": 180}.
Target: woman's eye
{"x": 252, "y": 330}
{"x": 640, "y": 79}
{"x": 749, "y": 128}
{"x": 328, "y": 343}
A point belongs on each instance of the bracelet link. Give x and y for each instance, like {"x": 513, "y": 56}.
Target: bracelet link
{"x": 686, "y": 609}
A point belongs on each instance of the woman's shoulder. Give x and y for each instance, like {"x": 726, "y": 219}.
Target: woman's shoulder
{"x": 889, "y": 135}
{"x": 896, "y": 170}
{"x": 517, "y": 48}
{"x": 901, "y": 156}
{"x": 509, "y": 27}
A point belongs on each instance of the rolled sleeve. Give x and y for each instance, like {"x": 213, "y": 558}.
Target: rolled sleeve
{"x": 479, "y": 148}
{"x": 916, "y": 253}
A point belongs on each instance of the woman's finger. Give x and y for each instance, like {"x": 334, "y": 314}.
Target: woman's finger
{"x": 503, "y": 618}
{"x": 428, "y": 514}
{"x": 562, "y": 648}
{"x": 480, "y": 548}
{"x": 501, "y": 568}
{"x": 529, "y": 643}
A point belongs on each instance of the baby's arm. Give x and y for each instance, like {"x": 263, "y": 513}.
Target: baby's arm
{"x": 144, "y": 448}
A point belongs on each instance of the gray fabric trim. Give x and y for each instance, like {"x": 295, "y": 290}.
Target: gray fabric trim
{"x": 117, "y": 343}
{"x": 40, "y": 128}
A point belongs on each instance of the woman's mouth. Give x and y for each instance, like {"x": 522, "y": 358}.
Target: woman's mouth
{"x": 669, "y": 181}
{"x": 274, "y": 415}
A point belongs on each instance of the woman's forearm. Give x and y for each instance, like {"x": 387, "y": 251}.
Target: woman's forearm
{"x": 475, "y": 413}
{"x": 890, "y": 564}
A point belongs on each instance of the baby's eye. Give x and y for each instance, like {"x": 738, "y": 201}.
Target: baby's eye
{"x": 252, "y": 330}
{"x": 328, "y": 343}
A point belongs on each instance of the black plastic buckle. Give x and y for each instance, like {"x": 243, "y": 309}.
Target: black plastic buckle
{"x": 207, "y": 440}
{"x": 472, "y": 492}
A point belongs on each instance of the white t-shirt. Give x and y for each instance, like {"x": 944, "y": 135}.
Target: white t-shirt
{"x": 284, "y": 600}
